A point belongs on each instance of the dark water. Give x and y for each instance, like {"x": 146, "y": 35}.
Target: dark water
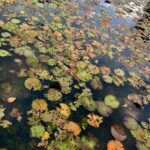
{"x": 17, "y": 137}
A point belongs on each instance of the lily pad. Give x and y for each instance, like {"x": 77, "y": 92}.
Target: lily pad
{"x": 111, "y": 101}
{"x": 33, "y": 83}
{"x": 37, "y": 131}
{"x": 4, "y": 53}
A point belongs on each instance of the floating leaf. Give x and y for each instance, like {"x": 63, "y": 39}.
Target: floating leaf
{"x": 53, "y": 95}
{"x": 111, "y": 101}
{"x": 11, "y": 99}
{"x": 4, "y": 53}
{"x": 39, "y": 105}
{"x": 33, "y": 83}
{"x": 115, "y": 145}
{"x": 37, "y": 131}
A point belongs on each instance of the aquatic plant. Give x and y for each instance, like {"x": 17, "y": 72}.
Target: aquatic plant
{"x": 2, "y": 114}
{"x": 4, "y": 53}
{"x": 94, "y": 120}
{"x": 130, "y": 122}
{"x": 39, "y": 105}
{"x": 84, "y": 76}
{"x": 115, "y": 145}
{"x": 103, "y": 109}
{"x": 85, "y": 99}
{"x": 66, "y": 44}
{"x": 39, "y": 71}
{"x": 141, "y": 146}
{"x": 72, "y": 127}
{"x": 1, "y": 23}
{"x": 32, "y": 60}
{"x": 46, "y": 117}
{"x": 11, "y": 99}
{"x": 142, "y": 135}
{"x": 135, "y": 98}
{"x": 118, "y": 132}
{"x": 33, "y": 83}
{"x": 15, "y": 21}
{"x": 62, "y": 145}
{"x": 5, "y": 123}
{"x": 64, "y": 110}
{"x": 5, "y": 34}
{"x": 52, "y": 62}
{"x": 16, "y": 114}
{"x": 53, "y": 95}
{"x": 37, "y": 131}
{"x": 118, "y": 80}
{"x": 111, "y": 101}
{"x": 135, "y": 80}
{"x": 119, "y": 72}
{"x": 3, "y": 149}
{"x": 107, "y": 78}
{"x": 96, "y": 84}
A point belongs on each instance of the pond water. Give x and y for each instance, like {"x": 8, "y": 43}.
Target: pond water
{"x": 74, "y": 74}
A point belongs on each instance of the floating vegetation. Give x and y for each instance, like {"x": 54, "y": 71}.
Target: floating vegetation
{"x": 111, "y": 101}
{"x": 4, "y": 53}
{"x": 78, "y": 74}
{"x": 114, "y": 144}
{"x": 33, "y": 83}
{"x": 53, "y": 95}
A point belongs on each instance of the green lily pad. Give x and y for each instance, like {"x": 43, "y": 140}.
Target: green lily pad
{"x": 107, "y": 78}
{"x": 15, "y": 21}
{"x": 4, "y": 53}
{"x": 37, "y": 131}
{"x": 84, "y": 76}
{"x": 111, "y": 101}
{"x": 6, "y": 34}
